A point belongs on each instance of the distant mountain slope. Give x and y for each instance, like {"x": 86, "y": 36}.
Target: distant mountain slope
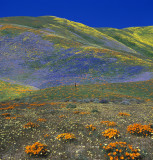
{"x": 138, "y": 38}
{"x": 49, "y": 51}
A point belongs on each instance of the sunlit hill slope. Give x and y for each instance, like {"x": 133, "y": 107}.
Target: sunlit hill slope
{"x": 50, "y": 51}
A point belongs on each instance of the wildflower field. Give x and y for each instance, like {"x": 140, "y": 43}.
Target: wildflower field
{"x": 73, "y": 92}
{"x": 76, "y": 130}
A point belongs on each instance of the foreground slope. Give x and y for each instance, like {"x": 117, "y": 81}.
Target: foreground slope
{"x": 50, "y": 51}
{"x": 141, "y": 90}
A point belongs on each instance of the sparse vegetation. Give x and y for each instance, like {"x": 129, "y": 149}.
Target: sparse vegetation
{"x": 76, "y": 135}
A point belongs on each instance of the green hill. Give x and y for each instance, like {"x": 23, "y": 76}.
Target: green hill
{"x": 138, "y": 38}
{"x": 48, "y": 51}
{"x": 112, "y": 91}
{"x": 9, "y": 91}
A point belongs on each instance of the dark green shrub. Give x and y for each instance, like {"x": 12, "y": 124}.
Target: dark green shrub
{"x": 71, "y": 106}
{"x": 94, "y": 111}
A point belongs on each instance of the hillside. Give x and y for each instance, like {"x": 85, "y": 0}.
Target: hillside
{"x": 9, "y": 91}
{"x": 138, "y": 38}
{"x": 94, "y": 92}
{"x": 49, "y": 51}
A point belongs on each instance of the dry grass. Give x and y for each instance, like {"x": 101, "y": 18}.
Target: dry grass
{"x": 14, "y": 137}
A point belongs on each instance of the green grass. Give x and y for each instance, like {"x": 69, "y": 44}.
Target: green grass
{"x": 70, "y": 30}
{"x": 10, "y": 91}
{"x": 137, "y": 38}
{"x": 112, "y": 91}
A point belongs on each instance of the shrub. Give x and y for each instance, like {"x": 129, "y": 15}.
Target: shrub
{"x": 37, "y": 149}
{"x": 71, "y": 106}
{"x": 91, "y": 127}
{"x": 10, "y": 117}
{"x": 84, "y": 112}
{"x": 66, "y": 136}
{"x": 7, "y": 108}
{"x": 30, "y": 125}
{"x": 108, "y": 123}
{"x": 96, "y": 100}
{"x": 46, "y": 135}
{"x": 41, "y": 120}
{"x": 111, "y": 133}
{"x": 62, "y": 116}
{"x": 94, "y": 111}
{"x": 6, "y": 114}
{"x": 124, "y": 114}
{"x": 120, "y": 150}
{"x": 76, "y": 112}
{"x": 125, "y": 102}
{"x": 104, "y": 101}
{"x": 86, "y": 100}
{"x": 140, "y": 130}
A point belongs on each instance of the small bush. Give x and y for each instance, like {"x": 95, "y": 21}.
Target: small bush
{"x": 96, "y": 100}
{"x": 94, "y": 111}
{"x": 87, "y": 100}
{"x": 140, "y": 130}
{"x": 91, "y": 127}
{"x": 124, "y": 114}
{"x": 120, "y": 150}
{"x": 66, "y": 137}
{"x": 71, "y": 106}
{"x": 6, "y": 114}
{"x": 37, "y": 149}
{"x": 108, "y": 123}
{"x": 62, "y": 116}
{"x": 10, "y": 117}
{"x": 46, "y": 135}
{"x": 84, "y": 113}
{"x": 111, "y": 133}
{"x": 41, "y": 120}
{"x": 30, "y": 125}
{"x": 104, "y": 101}
{"x": 76, "y": 112}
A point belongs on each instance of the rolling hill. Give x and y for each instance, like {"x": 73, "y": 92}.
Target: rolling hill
{"x": 49, "y": 51}
{"x": 138, "y": 38}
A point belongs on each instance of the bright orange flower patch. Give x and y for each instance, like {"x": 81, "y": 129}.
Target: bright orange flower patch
{"x": 84, "y": 112}
{"x": 10, "y": 117}
{"x": 66, "y": 136}
{"x": 36, "y": 149}
{"x": 62, "y": 116}
{"x": 6, "y": 114}
{"x": 41, "y": 120}
{"x": 7, "y": 108}
{"x": 46, "y": 135}
{"x": 120, "y": 150}
{"x": 124, "y": 114}
{"x": 91, "y": 127}
{"x": 76, "y": 112}
{"x": 30, "y": 125}
{"x": 108, "y": 123}
{"x": 138, "y": 129}
{"x": 111, "y": 133}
